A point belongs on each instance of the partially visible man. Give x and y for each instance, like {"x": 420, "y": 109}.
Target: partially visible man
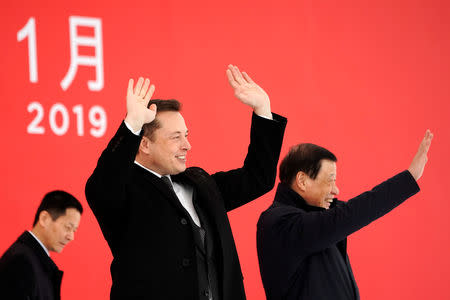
{"x": 26, "y": 269}
{"x": 302, "y": 236}
{"x": 167, "y": 225}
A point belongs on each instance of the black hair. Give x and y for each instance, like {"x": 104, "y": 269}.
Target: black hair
{"x": 56, "y": 203}
{"x": 306, "y": 158}
{"x": 161, "y": 106}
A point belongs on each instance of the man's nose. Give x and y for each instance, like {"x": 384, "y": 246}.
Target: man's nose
{"x": 186, "y": 144}
{"x": 335, "y": 190}
{"x": 71, "y": 236}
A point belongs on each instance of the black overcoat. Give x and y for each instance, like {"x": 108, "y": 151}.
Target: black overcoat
{"x": 28, "y": 273}
{"x": 145, "y": 225}
{"x": 302, "y": 249}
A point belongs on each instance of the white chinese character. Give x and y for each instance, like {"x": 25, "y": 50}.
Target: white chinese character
{"x": 79, "y": 60}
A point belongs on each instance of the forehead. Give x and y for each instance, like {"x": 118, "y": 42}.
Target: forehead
{"x": 72, "y": 216}
{"x": 171, "y": 121}
{"x": 327, "y": 168}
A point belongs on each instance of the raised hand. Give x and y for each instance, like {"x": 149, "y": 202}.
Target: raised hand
{"x": 248, "y": 92}
{"x": 137, "y": 100}
{"x": 420, "y": 159}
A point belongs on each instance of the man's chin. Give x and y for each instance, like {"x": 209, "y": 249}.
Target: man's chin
{"x": 326, "y": 205}
{"x": 179, "y": 170}
{"x": 58, "y": 249}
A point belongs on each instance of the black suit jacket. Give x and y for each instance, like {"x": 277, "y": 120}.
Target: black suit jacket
{"x": 28, "y": 273}
{"x": 146, "y": 226}
{"x": 302, "y": 249}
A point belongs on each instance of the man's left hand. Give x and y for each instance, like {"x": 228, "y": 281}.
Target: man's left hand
{"x": 248, "y": 92}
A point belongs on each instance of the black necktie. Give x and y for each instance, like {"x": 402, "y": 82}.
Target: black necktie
{"x": 167, "y": 181}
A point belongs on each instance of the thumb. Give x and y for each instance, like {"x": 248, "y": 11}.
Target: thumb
{"x": 153, "y": 107}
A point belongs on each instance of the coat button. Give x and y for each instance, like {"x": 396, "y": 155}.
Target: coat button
{"x": 186, "y": 262}
{"x": 183, "y": 221}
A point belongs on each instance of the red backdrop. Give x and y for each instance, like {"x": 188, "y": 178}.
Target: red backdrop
{"x": 362, "y": 79}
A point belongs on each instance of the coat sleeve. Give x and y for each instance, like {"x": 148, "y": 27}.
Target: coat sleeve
{"x": 314, "y": 231}
{"x": 257, "y": 176}
{"x": 105, "y": 188}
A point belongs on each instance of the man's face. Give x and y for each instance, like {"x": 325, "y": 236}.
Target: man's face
{"x": 168, "y": 150}
{"x": 321, "y": 191}
{"x": 62, "y": 230}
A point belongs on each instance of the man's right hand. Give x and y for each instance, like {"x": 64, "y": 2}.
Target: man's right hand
{"x": 421, "y": 158}
{"x": 137, "y": 100}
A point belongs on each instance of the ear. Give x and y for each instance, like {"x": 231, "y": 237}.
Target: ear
{"x": 301, "y": 180}
{"x": 145, "y": 145}
{"x": 44, "y": 219}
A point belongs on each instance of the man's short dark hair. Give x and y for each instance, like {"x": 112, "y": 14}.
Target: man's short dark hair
{"x": 306, "y": 158}
{"x": 56, "y": 203}
{"x": 161, "y": 105}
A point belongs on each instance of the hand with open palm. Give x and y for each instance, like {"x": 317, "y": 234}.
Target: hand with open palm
{"x": 420, "y": 159}
{"x": 248, "y": 92}
{"x": 138, "y": 97}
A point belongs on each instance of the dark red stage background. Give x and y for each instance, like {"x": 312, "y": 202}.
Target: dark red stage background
{"x": 364, "y": 79}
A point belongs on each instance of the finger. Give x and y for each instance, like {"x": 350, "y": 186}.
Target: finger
{"x": 130, "y": 87}
{"x": 231, "y": 71}
{"x": 153, "y": 107}
{"x": 425, "y": 144}
{"x": 246, "y": 77}
{"x": 137, "y": 88}
{"x": 149, "y": 95}
{"x": 144, "y": 88}
{"x": 429, "y": 134}
{"x": 427, "y": 140}
{"x": 231, "y": 80}
{"x": 151, "y": 113}
{"x": 237, "y": 75}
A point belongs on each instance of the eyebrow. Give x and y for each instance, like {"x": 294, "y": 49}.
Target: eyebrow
{"x": 178, "y": 132}
{"x": 72, "y": 225}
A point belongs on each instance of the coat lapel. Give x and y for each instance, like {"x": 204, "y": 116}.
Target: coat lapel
{"x": 54, "y": 273}
{"x": 201, "y": 194}
{"x": 163, "y": 189}
{"x": 208, "y": 198}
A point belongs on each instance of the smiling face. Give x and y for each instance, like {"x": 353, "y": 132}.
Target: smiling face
{"x": 58, "y": 233}
{"x": 320, "y": 191}
{"x": 166, "y": 152}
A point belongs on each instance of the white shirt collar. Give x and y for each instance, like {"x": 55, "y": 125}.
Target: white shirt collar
{"x": 39, "y": 241}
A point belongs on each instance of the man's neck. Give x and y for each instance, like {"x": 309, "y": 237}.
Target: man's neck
{"x": 38, "y": 236}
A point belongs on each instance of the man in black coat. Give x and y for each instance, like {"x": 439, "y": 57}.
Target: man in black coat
{"x": 166, "y": 225}
{"x": 26, "y": 270}
{"x": 302, "y": 236}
